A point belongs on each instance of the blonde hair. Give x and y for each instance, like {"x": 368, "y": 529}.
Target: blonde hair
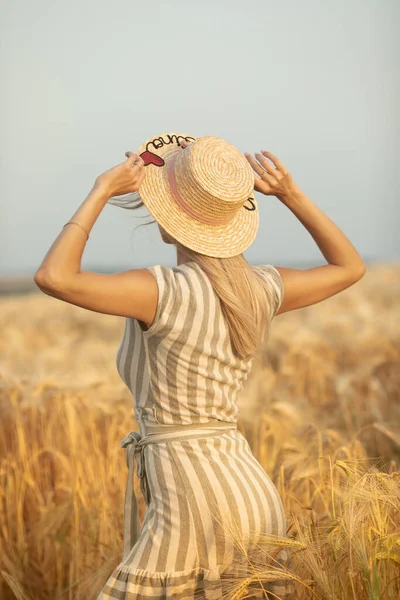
{"x": 246, "y": 300}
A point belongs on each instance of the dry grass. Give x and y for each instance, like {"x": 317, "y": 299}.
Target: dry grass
{"x": 321, "y": 412}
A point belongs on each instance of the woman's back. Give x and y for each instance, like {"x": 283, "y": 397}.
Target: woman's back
{"x": 183, "y": 369}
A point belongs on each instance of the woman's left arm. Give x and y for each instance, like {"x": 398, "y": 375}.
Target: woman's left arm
{"x": 132, "y": 293}
{"x": 63, "y": 260}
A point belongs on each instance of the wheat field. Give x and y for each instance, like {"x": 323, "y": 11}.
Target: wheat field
{"x": 320, "y": 409}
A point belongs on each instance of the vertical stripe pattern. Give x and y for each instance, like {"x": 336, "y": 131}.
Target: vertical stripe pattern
{"x": 211, "y": 500}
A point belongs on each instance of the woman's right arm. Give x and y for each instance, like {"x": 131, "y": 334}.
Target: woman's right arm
{"x": 346, "y": 267}
{"x": 303, "y": 287}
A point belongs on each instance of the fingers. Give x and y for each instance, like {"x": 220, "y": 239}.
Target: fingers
{"x": 259, "y": 185}
{"x": 254, "y": 164}
{"x": 134, "y": 160}
{"x": 265, "y": 165}
{"x": 275, "y": 160}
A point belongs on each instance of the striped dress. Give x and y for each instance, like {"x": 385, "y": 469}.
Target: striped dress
{"x": 206, "y": 493}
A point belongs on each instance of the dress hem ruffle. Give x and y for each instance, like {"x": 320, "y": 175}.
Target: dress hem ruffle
{"x": 200, "y": 583}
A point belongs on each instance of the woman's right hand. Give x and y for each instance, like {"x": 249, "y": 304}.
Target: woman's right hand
{"x": 275, "y": 181}
{"x": 272, "y": 180}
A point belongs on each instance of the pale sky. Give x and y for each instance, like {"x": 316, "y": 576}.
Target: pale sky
{"x": 316, "y": 83}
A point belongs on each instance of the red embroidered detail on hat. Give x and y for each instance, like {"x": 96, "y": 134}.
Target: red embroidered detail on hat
{"x": 150, "y": 158}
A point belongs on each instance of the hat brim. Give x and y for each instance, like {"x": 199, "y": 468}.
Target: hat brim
{"x": 213, "y": 240}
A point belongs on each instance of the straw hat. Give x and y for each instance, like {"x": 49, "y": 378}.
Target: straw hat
{"x": 202, "y": 195}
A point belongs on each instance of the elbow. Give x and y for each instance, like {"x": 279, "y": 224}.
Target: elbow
{"x": 360, "y": 271}
{"x": 41, "y": 279}
{"x": 45, "y": 281}
{"x": 363, "y": 270}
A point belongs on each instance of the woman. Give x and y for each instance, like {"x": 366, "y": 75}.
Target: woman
{"x": 191, "y": 334}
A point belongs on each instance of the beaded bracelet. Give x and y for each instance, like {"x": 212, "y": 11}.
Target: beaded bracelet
{"x": 76, "y": 223}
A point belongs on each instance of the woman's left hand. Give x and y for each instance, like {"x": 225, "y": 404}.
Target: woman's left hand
{"x": 123, "y": 178}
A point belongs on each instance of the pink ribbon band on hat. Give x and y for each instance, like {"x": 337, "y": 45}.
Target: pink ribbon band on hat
{"x": 178, "y": 198}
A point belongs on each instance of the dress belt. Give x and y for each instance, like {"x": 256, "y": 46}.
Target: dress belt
{"x": 134, "y": 443}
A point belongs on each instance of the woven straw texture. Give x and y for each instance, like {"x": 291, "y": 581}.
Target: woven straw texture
{"x": 214, "y": 179}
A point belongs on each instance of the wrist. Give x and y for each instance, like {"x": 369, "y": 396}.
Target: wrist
{"x": 293, "y": 194}
{"x": 102, "y": 189}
